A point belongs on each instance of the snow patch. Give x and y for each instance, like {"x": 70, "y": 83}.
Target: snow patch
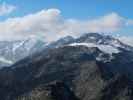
{"x": 5, "y": 60}
{"x": 104, "y": 48}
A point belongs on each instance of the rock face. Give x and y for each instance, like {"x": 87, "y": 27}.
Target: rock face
{"x": 70, "y": 73}
{"x": 53, "y": 91}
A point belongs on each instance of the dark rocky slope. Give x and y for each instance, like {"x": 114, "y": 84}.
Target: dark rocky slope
{"x": 77, "y": 74}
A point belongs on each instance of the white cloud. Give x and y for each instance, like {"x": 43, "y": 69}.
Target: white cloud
{"x": 45, "y": 22}
{"x": 108, "y": 23}
{"x": 50, "y": 24}
{"x": 6, "y": 9}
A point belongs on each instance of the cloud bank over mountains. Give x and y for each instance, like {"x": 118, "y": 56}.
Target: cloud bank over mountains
{"x": 49, "y": 23}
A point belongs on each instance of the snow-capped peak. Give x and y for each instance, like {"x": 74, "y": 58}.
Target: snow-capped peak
{"x": 108, "y": 45}
{"x": 16, "y": 50}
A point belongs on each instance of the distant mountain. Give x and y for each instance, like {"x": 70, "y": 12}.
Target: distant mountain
{"x": 13, "y": 51}
{"x": 91, "y": 67}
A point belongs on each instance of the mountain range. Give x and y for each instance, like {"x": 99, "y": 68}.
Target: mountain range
{"x": 9, "y": 50}
{"x": 91, "y": 67}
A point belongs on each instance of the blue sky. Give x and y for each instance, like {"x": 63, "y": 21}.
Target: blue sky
{"x": 117, "y": 12}
{"x": 75, "y": 8}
